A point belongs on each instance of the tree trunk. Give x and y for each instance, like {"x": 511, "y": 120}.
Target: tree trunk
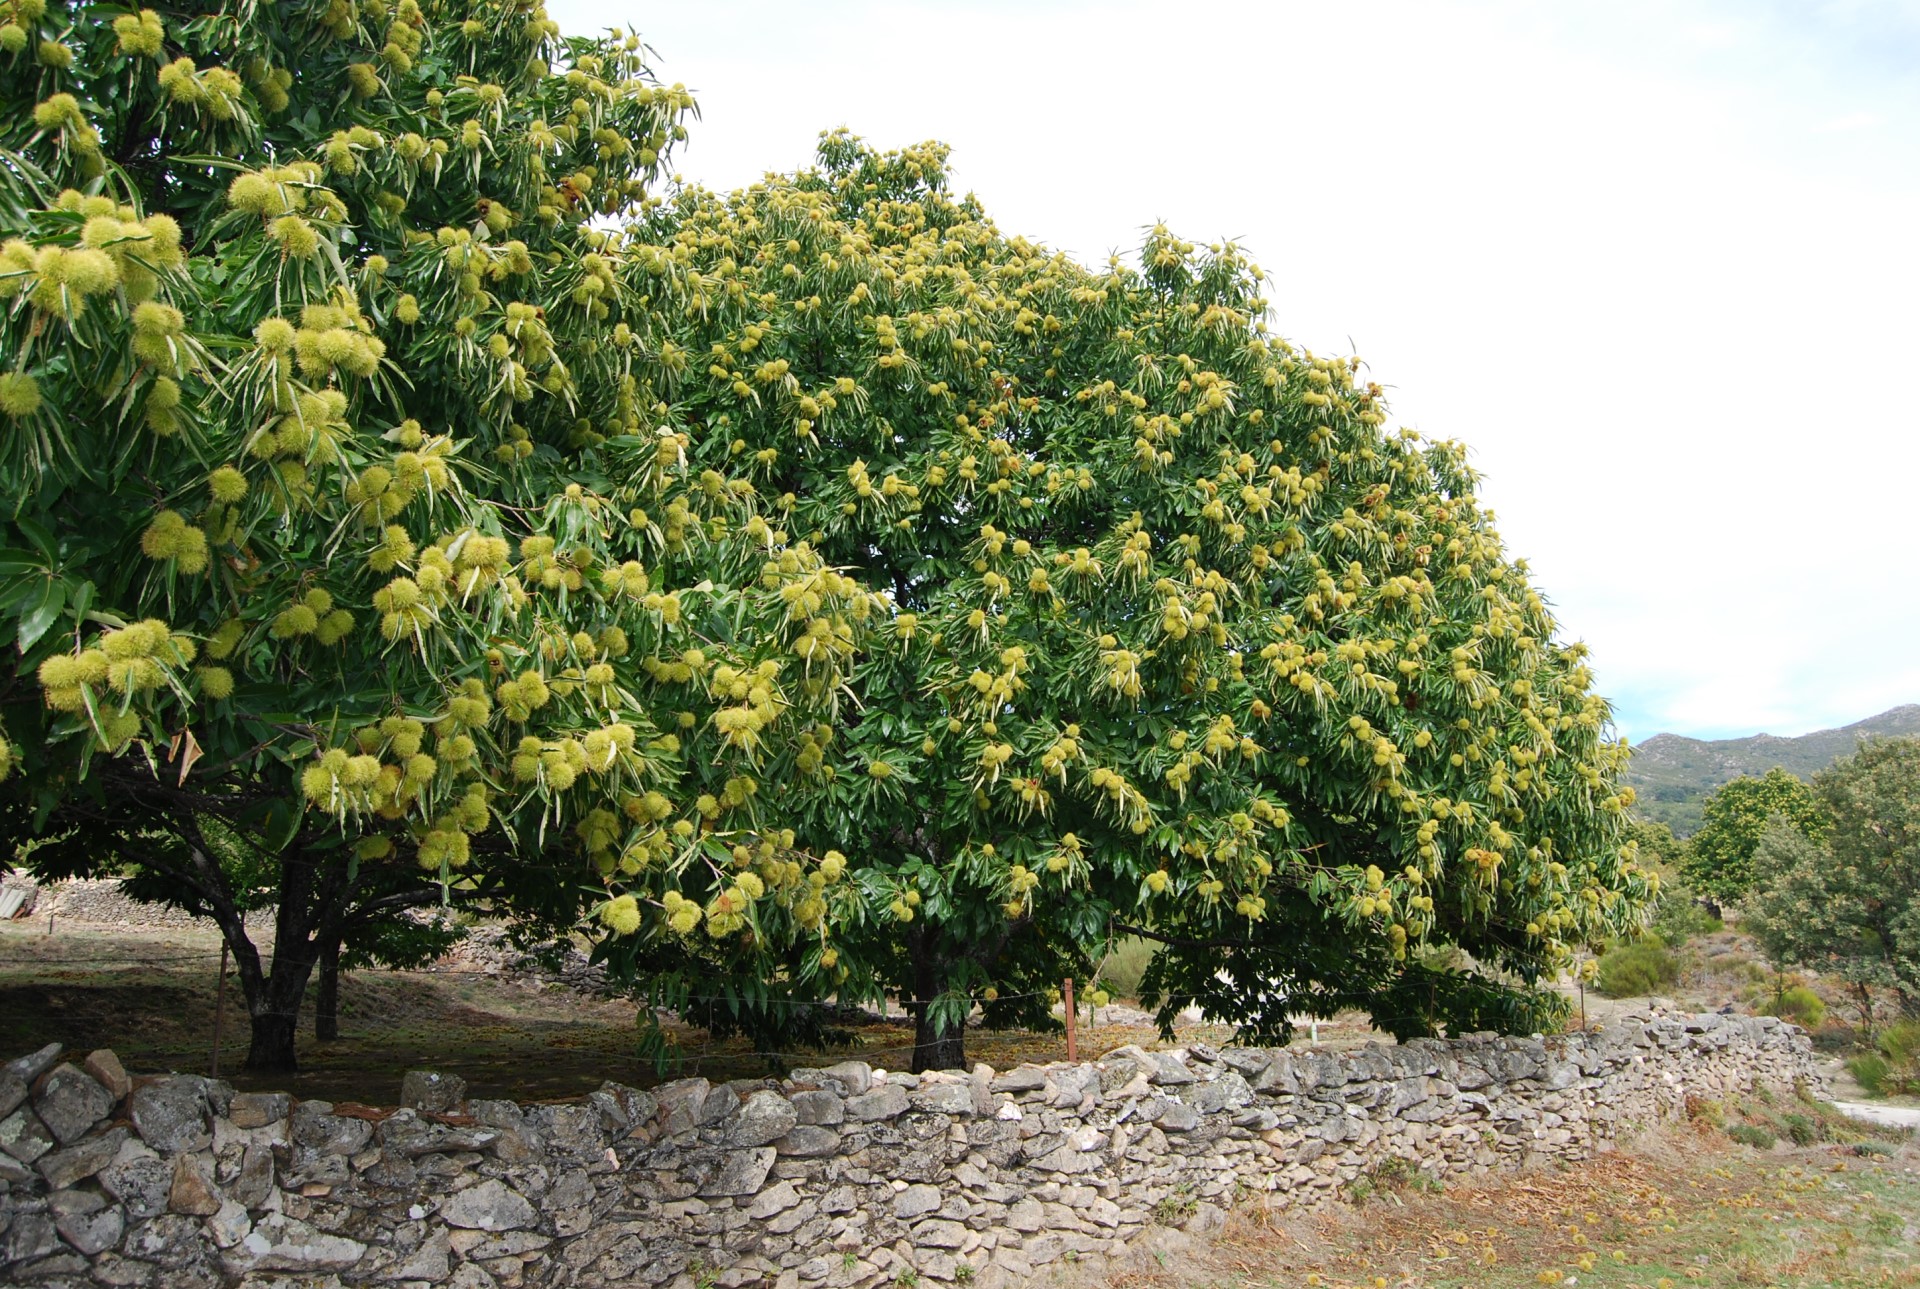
{"x": 271, "y": 1051}
{"x": 936, "y": 1046}
{"x": 326, "y": 999}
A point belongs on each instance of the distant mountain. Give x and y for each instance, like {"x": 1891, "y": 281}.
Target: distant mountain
{"x": 1673, "y": 774}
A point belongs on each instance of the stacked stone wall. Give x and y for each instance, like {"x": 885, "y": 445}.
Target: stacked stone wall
{"x": 832, "y": 1178}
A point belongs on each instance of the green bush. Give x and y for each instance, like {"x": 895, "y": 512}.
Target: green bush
{"x": 1749, "y": 1135}
{"x": 1801, "y": 1130}
{"x": 1633, "y": 970}
{"x": 1679, "y": 916}
{"x": 1901, "y": 1043}
{"x": 1870, "y": 1070}
{"x": 1801, "y": 1006}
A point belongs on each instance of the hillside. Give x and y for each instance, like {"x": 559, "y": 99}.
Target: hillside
{"x": 1673, "y": 774}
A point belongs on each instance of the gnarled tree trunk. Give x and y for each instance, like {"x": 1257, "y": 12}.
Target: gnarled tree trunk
{"x": 326, "y": 999}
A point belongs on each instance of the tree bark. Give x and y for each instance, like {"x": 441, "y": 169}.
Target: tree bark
{"x": 271, "y": 1051}
{"x": 936, "y": 1046}
{"x": 326, "y": 999}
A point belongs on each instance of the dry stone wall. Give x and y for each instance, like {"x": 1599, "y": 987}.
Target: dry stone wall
{"x": 835, "y": 1177}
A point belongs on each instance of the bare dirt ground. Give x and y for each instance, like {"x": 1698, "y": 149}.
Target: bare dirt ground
{"x": 149, "y": 993}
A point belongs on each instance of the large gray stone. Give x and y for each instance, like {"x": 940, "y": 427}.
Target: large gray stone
{"x": 431, "y": 1092}
{"x": 809, "y": 1142}
{"x": 330, "y": 1134}
{"x": 490, "y": 1206}
{"x": 888, "y": 1101}
{"x": 138, "y": 1180}
{"x": 916, "y": 1201}
{"x": 70, "y": 1101}
{"x": 95, "y": 1232}
{"x": 764, "y": 1116}
{"x": 822, "y": 1108}
{"x": 431, "y": 1262}
{"x": 31, "y": 1236}
{"x": 82, "y": 1159}
{"x": 255, "y": 1181}
{"x": 736, "y": 1172}
{"x": 171, "y": 1115}
{"x": 280, "y": 1243}
{"x": 944, "y": 1098}
{"x": 30, "y": 1067}
{"x": 23, "y": 1136}
{"x": 13, "y": 1090}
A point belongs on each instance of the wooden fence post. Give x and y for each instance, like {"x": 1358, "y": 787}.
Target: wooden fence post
{"x": 1073, "y": 1051}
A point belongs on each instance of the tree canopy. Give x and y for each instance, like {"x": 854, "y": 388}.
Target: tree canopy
{"x": 822, "y": 589}
{"x": 1181, "y": 639}
{"x": 1848, "y": 904}
{"x": 1718, "y": 859}
{"x": 336, "y": 511}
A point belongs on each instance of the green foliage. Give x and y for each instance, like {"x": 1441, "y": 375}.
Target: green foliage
{"x": 1182, "y": 641}
{"x": 1633, "y": 970}
{"x": 346, "y": 506}
{"x": 1871, "y": 1070}
{"x": 1749, "y": 1134}
{"x": 1719, "y": 857}
{"x": 1849, "y": 907}
{"x": 401, "y": 483}
{"x": 1801, "y": 1006}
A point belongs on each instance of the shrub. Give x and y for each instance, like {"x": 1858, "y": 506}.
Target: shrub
{"x": 1801, "y": 1130}
{"x": 1633, "y": 970}
{"x": 1801, "y": 1006}
{"x": 1870, "y": 1070}
{"x": 1749, "y": 1135}
{"x": 1901, "y": 1043}
{"x": 1680, "y": 916}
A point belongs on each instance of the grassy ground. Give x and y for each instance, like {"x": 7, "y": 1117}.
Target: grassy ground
{"x": 1686, "y": 1208}
{"x": 150, "y": 995}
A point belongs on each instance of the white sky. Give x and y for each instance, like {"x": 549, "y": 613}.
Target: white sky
{"x": 1655, "y": 262}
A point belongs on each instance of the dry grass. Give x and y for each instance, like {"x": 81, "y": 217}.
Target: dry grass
{"x": 1683, "y": 1208}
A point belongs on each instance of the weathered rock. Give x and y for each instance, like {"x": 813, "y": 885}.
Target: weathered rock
{"x": 490, "y": 1206}
{"x": 171, "y": 1115}
{"x": 430, "y": 1262}
{"x": 23, "y": 1136}
{"x": 764, "y": 1116}
{"x": 888, "y": 1101}
{"x": 808, "y": 1142}
{"x": 95, "y": 1232}
{"x": 737, "y": 1172}
{"x": 30, "y": 1067}
{"x": 192, "y": 1191}
{"x": 281, "y": 1243}
{"x": 431, "y": 1092}
{"x": 139, "y": 1179}
{"x": 230, "y": 1224}
{"x": 259, "y": 1109}
{"x": 107, "y": 1071}
{"x": 70, "y": 1101}
{"x": 13, "y": 1091}
{"x": 916, "y": 1201}
{"x": 819, "y": 1108}
{"x": 82, "y": 1159}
